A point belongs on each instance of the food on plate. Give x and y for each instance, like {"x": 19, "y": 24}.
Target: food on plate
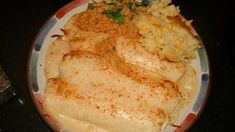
{"x": 121, "y": 66}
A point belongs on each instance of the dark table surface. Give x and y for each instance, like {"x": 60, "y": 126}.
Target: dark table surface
{"x": 213, "y": 19}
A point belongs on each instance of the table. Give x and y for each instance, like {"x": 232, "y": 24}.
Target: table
{"x": 21, "y": 20}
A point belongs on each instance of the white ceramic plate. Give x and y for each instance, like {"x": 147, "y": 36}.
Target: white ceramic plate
{"x": 37, "y": 79}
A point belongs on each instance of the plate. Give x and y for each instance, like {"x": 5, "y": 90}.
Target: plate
{"x": 37, "y": 80}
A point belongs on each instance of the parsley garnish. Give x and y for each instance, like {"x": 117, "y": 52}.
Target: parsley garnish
{"x": 145, "y": 2}
{"x": 116, "y": 16}
{"x": 130, "y": 5}
{"x": 90, "y": 6}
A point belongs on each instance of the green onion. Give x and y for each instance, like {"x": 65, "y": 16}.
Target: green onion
{"x": 90, "y": 6}
{"x": 119, "y": 18}
{"x": 116, "y": 16}
{"x": 145, "y": 2}
{"x": 108, "y": 12}
{"x": 130, "y": 5}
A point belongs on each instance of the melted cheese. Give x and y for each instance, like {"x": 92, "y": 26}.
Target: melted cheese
{"x": 136, "y": 55}
{"x": 89, "y": 89}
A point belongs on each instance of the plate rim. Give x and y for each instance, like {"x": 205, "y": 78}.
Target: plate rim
{"x": 53, "y": 125}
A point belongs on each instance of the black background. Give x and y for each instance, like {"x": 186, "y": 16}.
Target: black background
{"x": 20, "y": 21}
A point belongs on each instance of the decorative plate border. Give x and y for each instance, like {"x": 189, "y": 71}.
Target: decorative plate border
{"x": 38, "y": 99}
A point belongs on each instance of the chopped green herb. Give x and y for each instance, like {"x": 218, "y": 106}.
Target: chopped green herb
{"x": 108, "y": 12}
{"x": 130, "y": 5}
{"x": 90, "y": 6}
{"x": 145, "y": 2}
{"x": 119, "y": 18}
{"x": 116, "y": 16}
